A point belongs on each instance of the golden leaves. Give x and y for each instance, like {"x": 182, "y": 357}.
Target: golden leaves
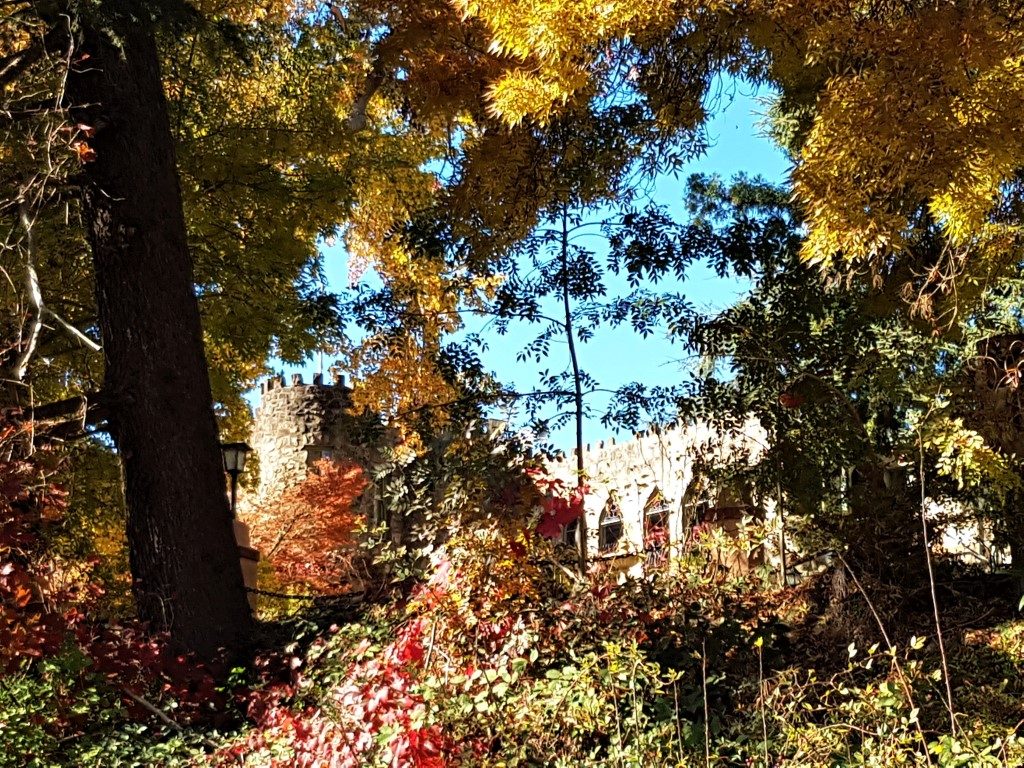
{"x": 923, "y": 109}
{"x": 916, "y": 107}
{"x": 518, "y": 96}
{"x": 965, "y": 457}
{"x": 555, "y": 39}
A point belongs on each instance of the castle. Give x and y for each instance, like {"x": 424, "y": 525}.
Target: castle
{"x": 645, "y": 489}
{"x": 645, "y": 495}
{"x": 295, "y": 425}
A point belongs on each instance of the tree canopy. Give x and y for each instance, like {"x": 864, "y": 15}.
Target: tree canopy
{"x": 172, "y": 170}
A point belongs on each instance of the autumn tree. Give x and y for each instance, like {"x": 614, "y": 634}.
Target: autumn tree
{"x": 309, "y": 533}
{"x": 104, "y": 117}
{"x": 897, "y": 114}
{"x": 851, "y": 392}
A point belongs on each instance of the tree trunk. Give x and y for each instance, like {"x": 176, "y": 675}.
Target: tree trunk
{"x": 184, "y": 561}
{"x": 577, "y": 380}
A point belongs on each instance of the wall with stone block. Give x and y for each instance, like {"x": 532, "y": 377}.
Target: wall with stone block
{"x": 659, "y": 461}
{"x": 295, "y": 425}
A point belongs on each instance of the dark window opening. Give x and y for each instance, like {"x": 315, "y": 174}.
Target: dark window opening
{"x": 656, "y": 513}
{"x": 610, "y": 527}
{"x": 570, "y": 536}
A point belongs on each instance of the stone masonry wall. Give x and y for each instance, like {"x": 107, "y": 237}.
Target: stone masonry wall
{"x": 657, "y": 462}
{"x": 295, "y": 424}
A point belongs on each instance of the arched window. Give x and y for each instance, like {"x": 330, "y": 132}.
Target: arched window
{"x": 609, "y": 529}
{"x": 655, "y": 516}
{"x": 695, "y": 509}
{"x": 656, "y": 528}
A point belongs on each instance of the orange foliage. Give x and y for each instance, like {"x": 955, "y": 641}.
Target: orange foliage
{"x": 33, "y": 618}
{"x": 308, "y": 533}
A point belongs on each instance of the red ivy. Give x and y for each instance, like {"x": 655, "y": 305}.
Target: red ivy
{"x": 560, "y": 505}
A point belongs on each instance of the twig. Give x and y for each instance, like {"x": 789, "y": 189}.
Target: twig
{"x": 35, "y": 296}
{"x": 761, "y": 697}
{"x": 430, "y": 645}
{"x": 72, "y": 330}
{"x": 905, "y": 684}
{"x": 704, "y": 689}
{"x": 167, "y": 720}
{"x": 931, "y": 582}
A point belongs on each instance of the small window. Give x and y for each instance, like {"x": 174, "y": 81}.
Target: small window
{"x": 655, "y": 516}
{"x": 656, "y": 513}
{"x": 610, "y": 527}
{"x": 570, "y": 535}
{"x": 313, "y": 455}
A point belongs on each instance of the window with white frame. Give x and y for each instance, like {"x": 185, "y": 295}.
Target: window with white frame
{"x": 571, "y": 533}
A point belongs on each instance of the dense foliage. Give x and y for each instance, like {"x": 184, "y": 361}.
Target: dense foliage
{"x": 308, "y": 532}
{"x": 499, "y": 657}
{"x": 171, "y": 172}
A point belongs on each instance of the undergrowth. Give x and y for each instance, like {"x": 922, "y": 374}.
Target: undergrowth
{"x": 498, "y": 656}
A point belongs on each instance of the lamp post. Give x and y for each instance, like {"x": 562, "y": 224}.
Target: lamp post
{"x": 234, "y": 463}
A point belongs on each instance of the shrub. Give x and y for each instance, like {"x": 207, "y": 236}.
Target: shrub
{"x": 308, "y": 533}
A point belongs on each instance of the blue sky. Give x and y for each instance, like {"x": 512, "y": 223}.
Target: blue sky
{"x": 617, "y": 356}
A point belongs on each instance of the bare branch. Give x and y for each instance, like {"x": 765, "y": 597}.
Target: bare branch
{"x": 165, "y": 718}
{"x": 12, "y": 116}
{"x": 357, "y": 117}
{"x": 72, "y": 330}
{"x": 14, "y": 64}
{"x": 35, "y": 297}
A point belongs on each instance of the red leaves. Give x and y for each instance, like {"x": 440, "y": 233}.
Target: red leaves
{"x": 83, "y": 151}
{"x": 145, "y": 664}
{"x": 373, "y": 706}
{"x": 408, "y": 648}
{"x": 791, "y": 400}
{"x": 308, "y": 534}
{"x": 560, "y": 506}
{"x": 29, "y": 629}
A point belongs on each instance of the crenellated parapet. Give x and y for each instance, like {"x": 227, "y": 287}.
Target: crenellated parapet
{"x": 658, "y": 468}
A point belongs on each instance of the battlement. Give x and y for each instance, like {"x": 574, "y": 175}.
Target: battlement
{"x": 279, "y": 381}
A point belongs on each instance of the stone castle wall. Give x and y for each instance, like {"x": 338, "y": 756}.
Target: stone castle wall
{"x": 659, "y": 465}
{"x": 295, "y": 425}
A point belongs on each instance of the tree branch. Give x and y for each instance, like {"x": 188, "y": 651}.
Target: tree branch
{"x": 166, "y": 719}
{"x": 14, "y": 64}
{"x": 356, "y": 121}
{"x": 28, "y": 346}
{"x": 66, "y": 419}
{"x": 72, "y": 330}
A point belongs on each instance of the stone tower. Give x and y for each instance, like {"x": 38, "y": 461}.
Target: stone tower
{"x": 297, "y": 424}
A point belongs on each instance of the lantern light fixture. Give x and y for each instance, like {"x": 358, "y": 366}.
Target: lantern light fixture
{"x": 234, "y": 455}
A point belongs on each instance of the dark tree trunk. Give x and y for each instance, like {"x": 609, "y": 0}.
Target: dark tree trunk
{"x": 184, "y": 561}
{"x": 582, "y": 550}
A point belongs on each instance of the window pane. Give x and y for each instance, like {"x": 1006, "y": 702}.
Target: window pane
{"x": 611, "y": 532}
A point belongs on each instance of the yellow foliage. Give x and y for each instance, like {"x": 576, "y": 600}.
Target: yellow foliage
{"x": 916, "y": 106}
{"x": 555, "y": 39}
{"x": 521, "y": 95}
{"x": 965, "y": 457}
{"x": 932, "y": 115}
